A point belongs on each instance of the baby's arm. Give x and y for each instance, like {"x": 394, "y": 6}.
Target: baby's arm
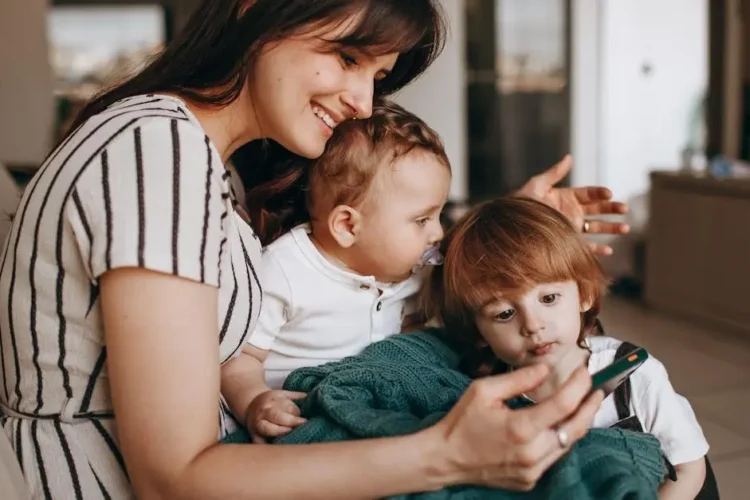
{"x": 690, "y": 478}
{"x": 264, "y": 412}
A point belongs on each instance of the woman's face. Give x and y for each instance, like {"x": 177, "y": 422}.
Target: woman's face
{"x": 302, "y": 88}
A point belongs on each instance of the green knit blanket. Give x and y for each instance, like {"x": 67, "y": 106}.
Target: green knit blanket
{"x": 408, "y": 382}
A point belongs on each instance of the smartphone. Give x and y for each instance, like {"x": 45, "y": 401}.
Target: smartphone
{"x": 611, "y": 376}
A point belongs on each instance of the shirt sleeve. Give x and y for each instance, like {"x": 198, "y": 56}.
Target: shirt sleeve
{"x": 277, "y": 303}
{"x": 668, "y": 416}
{"x": 155, "y": 198}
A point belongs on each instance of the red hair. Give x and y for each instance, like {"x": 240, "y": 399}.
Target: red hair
{"x": 508, "y": 244}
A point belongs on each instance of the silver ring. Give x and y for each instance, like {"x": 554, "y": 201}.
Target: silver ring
{"x": 562, "y": 438}
{"x": 586, "y": 226}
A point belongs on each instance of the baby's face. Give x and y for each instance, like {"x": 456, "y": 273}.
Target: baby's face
{"x": 401, "y": 220}
{"x": 540, "y": 325}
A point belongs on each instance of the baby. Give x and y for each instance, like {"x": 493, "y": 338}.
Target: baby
{"x": 519, "y": 287}
{"x": 350, "y": 276}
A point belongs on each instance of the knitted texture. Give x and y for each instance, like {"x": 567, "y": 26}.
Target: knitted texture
{"x": 408, "y": 382}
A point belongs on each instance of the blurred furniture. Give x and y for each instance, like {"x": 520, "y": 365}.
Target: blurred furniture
{"x": 698, "y": 249}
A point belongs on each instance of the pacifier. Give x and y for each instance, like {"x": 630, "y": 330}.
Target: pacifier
{"x": 431, "y": 257}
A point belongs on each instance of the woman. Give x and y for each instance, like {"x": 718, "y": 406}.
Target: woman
{"x": 128, "y": 278}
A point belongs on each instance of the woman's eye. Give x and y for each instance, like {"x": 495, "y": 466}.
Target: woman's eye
{"x": 550, "y": 298}
{"x": 505, "y": 315}
{"x": 348, "y": 59}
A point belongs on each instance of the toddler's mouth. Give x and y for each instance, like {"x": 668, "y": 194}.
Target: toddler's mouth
{"x": 542, "y": 349}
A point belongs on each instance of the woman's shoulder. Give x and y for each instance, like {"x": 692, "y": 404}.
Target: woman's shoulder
{"x": 162, "y": 116}
{"x": 142, "y": 134}
{"x": 159, "y": 105}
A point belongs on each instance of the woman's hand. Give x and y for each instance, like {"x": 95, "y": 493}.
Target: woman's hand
{"x": 577, "y": 203}
{"x": 491, "y": 445}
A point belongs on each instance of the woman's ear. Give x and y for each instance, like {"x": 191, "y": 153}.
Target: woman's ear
{"x": 345, "y": 223}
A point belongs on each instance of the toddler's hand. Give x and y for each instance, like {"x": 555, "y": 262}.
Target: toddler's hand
{"x": 273, "y": 414}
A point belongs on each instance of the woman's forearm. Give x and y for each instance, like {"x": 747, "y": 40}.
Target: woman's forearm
{"x": 345, "y": 470}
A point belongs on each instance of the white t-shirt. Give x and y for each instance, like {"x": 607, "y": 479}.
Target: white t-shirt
{"x": 315, "y": 312}
{"x": 661, "y": 411}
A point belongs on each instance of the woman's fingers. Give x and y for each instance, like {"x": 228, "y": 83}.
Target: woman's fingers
{"x": 533, "y": 459}
{"x": 604, "y": 207}
{"x": 606, "y": 227}
{"x": 561, "y": 406}
{"x": 496, "y": 446}
{"x": 579, "y": 424}
{"x": 500, "y": 388}
{"x": 599, "y": 249}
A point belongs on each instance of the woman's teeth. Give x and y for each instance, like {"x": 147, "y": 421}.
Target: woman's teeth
{"x": 324, "y": 116}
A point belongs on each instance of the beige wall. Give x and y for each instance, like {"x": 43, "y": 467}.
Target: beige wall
{"x": 439, "y": 98}
{"x": 26, "y": 102}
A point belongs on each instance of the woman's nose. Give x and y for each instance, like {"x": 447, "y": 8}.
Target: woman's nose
{"x": 360, "y": 97}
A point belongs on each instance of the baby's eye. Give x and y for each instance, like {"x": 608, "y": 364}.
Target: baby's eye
{"x": 505, "y": 315}
{"x": 550, "y": 298}
{"x": 423, "y": 221}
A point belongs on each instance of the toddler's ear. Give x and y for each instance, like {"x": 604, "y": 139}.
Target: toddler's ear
{"x": 344, "y": 223}
{"x": 586, "y": 305}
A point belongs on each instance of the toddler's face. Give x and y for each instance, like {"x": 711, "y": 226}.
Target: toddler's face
{"x": 401, "y": 219}
{"x": 539, "y": 325}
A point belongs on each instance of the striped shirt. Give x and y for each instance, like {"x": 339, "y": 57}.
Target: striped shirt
{"x": 139, "y": 184}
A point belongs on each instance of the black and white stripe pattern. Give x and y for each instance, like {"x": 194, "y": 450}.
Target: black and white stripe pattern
{"x": 138, "y": 185}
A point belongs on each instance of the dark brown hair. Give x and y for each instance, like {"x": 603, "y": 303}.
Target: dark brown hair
{"x": 344, "y": 172}
{"x": 210, "y": 61}
{"x": 508, "y": 244}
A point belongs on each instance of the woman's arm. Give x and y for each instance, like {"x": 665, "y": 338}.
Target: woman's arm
{"x": 164, "y": 374}
{"x": 690, "y": 479}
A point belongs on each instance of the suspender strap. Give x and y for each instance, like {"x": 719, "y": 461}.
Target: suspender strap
{"x": 622, "y": 393}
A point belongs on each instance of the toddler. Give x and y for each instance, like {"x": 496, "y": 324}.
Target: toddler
{"x": 519, "y": 287}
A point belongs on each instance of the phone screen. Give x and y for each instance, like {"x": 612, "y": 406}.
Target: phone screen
{"x": 611, "y": 376}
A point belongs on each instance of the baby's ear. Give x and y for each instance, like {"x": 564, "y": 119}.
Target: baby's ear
{"x": 344, "y": 223}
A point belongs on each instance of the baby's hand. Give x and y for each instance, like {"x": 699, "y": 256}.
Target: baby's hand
{"x": 273, "y": 414}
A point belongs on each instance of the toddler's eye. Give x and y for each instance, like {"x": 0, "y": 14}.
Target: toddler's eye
{"x": 550, "y": 298}
{"x": 505, "y": 315}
